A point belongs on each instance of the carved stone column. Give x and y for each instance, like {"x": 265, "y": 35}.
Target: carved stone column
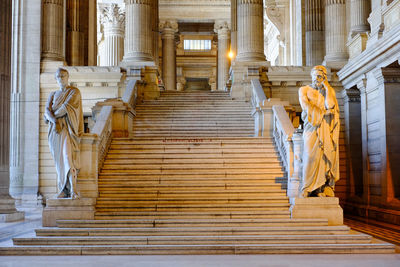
{"x": 138, "y": 31}
{"x": 156, "y": 32}
{"x": 315, "y": 36}
{"x": 335, "y": 34}
{"x": 222, "y": 29}
{"x": 113, "y": 19}
{"x": 168, "y": 30}
{"x": 234, "y": 27}
{"x": 359, "y": 10}
{"x": 250, "y": 34}
{"x": 75, "y": 46}
{"x": 53, "y": 30}
{"x": 7, "y": 204}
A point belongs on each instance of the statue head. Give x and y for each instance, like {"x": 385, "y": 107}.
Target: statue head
{"x": 318, "y": 75}
{"x": 62, "y": 76}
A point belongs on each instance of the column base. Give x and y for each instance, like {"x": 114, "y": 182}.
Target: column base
{"x": 241, "y": 83}
{"x": 317, "y": 208}
{"x": 68, "y": 209}
{"x": 336, "y": 61}
{"x": 8, "y": 213}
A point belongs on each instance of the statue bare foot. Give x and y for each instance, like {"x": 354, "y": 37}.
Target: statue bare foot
{"x": 74, "y": 195}
{"x": 61, "y": 195}
{"x": 321, "y": 195}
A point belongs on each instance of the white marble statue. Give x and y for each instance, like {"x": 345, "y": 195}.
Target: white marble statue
{"x": 65, "y": 118}
{"x": 321, "y": 136}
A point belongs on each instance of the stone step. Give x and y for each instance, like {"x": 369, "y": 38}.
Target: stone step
{"x": 184, "y": 202}
{"x": 197, "y": 207}
{"x": 194, "y": 215}
{"x": 193, "y": 240}
{"x": 195, "y": 231}
{"x": 221, "y": 139}
{"x": 178, "y": 195}
{"x": 277, "y": 171}
{"x": 127, "y": 154}
{"x": 235, "y": 249}
{"x": 117, "y": 148}
{"x": 233, "y": 162}
{"x": 178, "y": 134}
{"x": 129, "y": 165}
{"x": 177, "y": 223}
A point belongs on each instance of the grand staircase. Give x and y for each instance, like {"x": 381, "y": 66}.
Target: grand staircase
{"x": 194, "y": 181}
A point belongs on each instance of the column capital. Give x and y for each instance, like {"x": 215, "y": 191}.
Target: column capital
{"x": 168, "y": 28}
{"x": 113, "y": 14}
{"x": 351, "y": 95}
{"x": 222, "y": 29}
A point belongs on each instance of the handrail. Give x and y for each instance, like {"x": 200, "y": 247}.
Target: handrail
{"x": 258, "y": 95}
{"x": 130, "y": 94}
{"x": 103, "y": 130}
{"x": 289, "y": 145}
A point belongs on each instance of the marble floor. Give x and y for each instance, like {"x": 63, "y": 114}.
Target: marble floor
{"x": 33, "y": 220}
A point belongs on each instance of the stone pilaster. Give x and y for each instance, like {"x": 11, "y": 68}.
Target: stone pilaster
{"x": 375, "y": 20}
{"x": 250, "y": 32}
{"x": 335, "y": 34}
{"x": 7, "y": 204}
{"x": 113, "y": 19}
{"x": 53, "y": 30}
{"x": 315, "y": 35}
{"x": 222, "y": 30}
{"x": 234, "y": 27}
{"x": 168, "y": 30}
{"x": 138, "y": 32}
{"x": 359, "y": 10}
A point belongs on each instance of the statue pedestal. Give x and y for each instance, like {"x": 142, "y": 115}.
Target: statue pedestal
{"x": 68, "y": 209}
{"x": 317, "y": 208}
{"x": 8, "y": 213}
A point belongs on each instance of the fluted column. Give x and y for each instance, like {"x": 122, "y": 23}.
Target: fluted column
{"x": 222, "y": 29}
{"x": 138, "y": 31}
{"x": 75, "y": 49}
{"x": 156, "y": 31}
{"x": 359, "y": 10}
{"x": 168, "y": 30}
{"x": 250, "y": 34}
{"x": 53, "y": 30}
{"x": 335, "y": 34}
{"x": 315, "y": 35}
{"x": 113, "y": 19}
{"x": 234, "y": 27}
{"x": 7, "y": 204}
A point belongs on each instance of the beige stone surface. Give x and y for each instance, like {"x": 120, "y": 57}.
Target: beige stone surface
{"x": 67, "y": 209}
{"x": 317, "y": 207}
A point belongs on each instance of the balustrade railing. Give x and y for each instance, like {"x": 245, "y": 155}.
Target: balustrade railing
{"x": 273, "y": 120}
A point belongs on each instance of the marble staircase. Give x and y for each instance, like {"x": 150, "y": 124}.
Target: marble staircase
{"x": 193, "y": 181}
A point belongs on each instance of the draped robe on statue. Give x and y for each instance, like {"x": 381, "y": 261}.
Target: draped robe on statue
{"x": 321, "y": 138}
{"x": 64, "y": 135}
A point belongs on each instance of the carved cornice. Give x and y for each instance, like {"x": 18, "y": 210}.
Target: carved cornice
{"x": 169, "y": 24}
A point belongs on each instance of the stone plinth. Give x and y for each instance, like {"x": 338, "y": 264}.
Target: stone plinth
{"x": 68, "y": 209}
{"x": 317, "y": 208}
{"x": 8, "y": 213}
